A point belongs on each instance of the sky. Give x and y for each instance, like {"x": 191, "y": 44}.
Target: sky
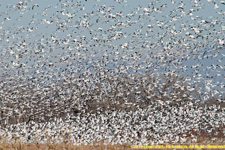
{"x": 39, "y": 36}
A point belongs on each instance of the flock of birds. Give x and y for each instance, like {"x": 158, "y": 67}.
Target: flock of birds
{"x": 141, "y": 126}
{"x": 119, "y": 71}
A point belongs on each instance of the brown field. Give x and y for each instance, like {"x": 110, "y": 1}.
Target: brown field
{"x": 24, "y": 146}
{"x": 18, "y": 145}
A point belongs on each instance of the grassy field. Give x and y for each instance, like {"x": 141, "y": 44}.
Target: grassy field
{"x": 66, "y": 145}
{"x": 95, "y": 146}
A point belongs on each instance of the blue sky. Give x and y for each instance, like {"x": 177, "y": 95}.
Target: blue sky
{"x": 37, "y": 33}
{"x": 22, "y": 20}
